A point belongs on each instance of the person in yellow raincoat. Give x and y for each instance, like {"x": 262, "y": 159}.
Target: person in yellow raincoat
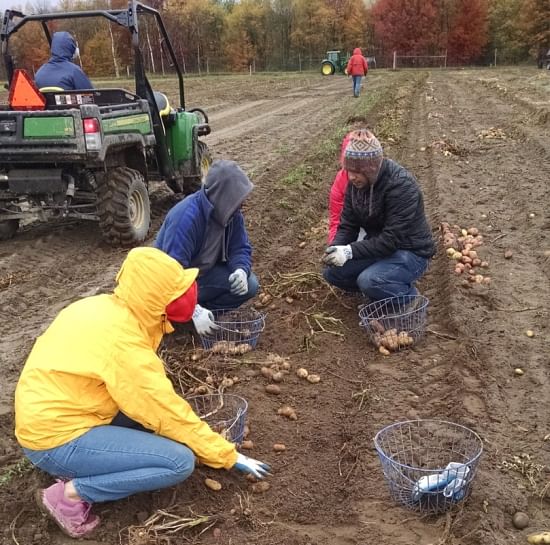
{"x": 93, "y": 389}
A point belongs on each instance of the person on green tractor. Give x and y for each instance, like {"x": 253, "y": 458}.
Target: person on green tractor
{"x": 60, "y": 72}
{"x": 206, "y": 230}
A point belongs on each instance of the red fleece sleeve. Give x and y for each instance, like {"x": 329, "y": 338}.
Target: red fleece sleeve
{"x": 336, "y": 202}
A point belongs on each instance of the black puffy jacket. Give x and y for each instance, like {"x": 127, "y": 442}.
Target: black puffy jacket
{"x": 392, "y": 214}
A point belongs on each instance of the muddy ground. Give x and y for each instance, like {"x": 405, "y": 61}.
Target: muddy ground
{"x": 478, "y": 141}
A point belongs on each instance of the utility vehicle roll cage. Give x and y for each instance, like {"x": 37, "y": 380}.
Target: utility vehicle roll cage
{"x": 127, "y": 18}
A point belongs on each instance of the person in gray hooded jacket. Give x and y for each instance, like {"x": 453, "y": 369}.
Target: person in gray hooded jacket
{"x": 206, "y": 230}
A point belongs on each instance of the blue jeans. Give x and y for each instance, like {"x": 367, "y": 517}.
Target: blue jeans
{"x": 356, "y": 85}
{"x": 214, "y": 290}
{"x": 112, "y": 462}
{"x": 379, "y": 278}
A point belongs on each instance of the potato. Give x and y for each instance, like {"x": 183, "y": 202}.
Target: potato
{"x": 267, "y": 372}
{"x": 377, "y": 326}
{"x": 458, "y": 256}
{"x": 476, "y": 262}
{"x": 246, "y": 431}
{"x": 458, "y": 270}
{"x": 464, "y": 232}
{"x": 466, "y": 259}
{"x": 487, "y": 280}
{"x": 262, "y": 486}
{"x": 273, "y": 389}
{"x": 212, "y": 484}
{"x": 302, "y": 373}
{"x": 287, "y": 411}
{"x": 314, "y": 379}
{"x": 518, "y": 371}
{"x": 508, "y": 254}
{"x": 285, "y": 365}
{"x": 465, "y": 253}
{"x": 227, "y": 382}
{"x": 279, "y": 447}
{"x": 450, "y": 252}
{"x": 384, "y": 351}
{"x": 277, "y": 377}
{"x": 247, "y": 444}
{"x": 520, "y": 520}
{"x": 484, "y": 264}
{"x": 474, "y": 231}
{"x": 530, "y": 333}
{"x": 478, "y": 278}
{"x": 473, "y": 254}
{"x": 202, "y": 389}
{"x": 377, "y": 340}
{"x": 539, "y": 539}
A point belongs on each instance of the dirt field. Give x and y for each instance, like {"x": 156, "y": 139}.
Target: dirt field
{"x": 478, "y": 141}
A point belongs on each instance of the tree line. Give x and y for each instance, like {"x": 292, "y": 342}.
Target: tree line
{"x": 231, "y": 35}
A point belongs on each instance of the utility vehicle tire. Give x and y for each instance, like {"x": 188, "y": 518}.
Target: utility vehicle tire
{"x": 327, "y": 68}
{"x": 194, "y": 183}
{"x": 123, "y": 207}
{"x": 8, "y": 228}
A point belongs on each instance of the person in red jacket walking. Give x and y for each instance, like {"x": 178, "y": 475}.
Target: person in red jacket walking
{"x": 357, "y": 68}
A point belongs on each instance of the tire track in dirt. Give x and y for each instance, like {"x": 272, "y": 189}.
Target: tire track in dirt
{"x": 490, "y": 180}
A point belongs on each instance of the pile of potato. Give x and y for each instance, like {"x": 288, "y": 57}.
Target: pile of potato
{"x": 392, "y": 341}
{"x": 389, "y": 340}
{"x": 230, "y": 347}
{"x": 462, "y": 249}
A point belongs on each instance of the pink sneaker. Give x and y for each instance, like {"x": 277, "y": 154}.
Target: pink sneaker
{"x": 73, "y": 517}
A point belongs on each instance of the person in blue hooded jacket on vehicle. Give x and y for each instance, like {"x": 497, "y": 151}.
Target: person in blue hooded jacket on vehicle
{"x": 60, "y": 71}
{"x": 206, "y": 230}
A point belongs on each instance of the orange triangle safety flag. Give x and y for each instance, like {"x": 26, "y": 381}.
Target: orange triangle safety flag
{"x": 24, "y": 95}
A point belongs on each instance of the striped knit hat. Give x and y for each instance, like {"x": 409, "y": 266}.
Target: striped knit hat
{"x": 363, "y": 146}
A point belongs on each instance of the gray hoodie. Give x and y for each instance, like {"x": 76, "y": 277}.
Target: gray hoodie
{"x": 226, "y": 187}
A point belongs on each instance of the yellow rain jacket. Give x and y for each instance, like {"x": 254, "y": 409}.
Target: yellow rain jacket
{"x": 99, "y": 356}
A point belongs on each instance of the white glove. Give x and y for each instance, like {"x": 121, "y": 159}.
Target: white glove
{"x": 238, "y": 282}
{"x": 204, "y": 321}
{"x": 254, "y": 467}
{"x": 337, "y": 255}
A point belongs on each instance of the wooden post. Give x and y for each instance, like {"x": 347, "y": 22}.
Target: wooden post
{"x": 495, "y": 57}
{"x": 395, "y": 60}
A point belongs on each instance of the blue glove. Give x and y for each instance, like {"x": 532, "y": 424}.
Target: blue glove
{"x": 251, "y": 466}
{"x": 238, "y": 282}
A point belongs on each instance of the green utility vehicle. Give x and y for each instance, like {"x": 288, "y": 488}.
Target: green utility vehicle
{"x": 90, "y": 154}
{"x": 335, "y": 61}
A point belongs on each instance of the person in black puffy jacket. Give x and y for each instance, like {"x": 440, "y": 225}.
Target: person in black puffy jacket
{"x": 385, "y": 200}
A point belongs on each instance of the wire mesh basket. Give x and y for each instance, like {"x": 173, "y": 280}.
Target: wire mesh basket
{"x": 224, "y": 413}
{"x": 395, "y": 323}
{"x": 429, "y": 465}
{"x": 238, "y": 331}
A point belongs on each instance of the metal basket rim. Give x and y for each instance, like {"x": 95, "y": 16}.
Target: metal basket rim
{"x": 220, "y": 311}
{"x": 425, "y": 420}
{"x": 204, "y": 396}
{"x": 364, "y": 311}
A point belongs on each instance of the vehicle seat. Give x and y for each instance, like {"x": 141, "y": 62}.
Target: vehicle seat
{"x": 162, "y": 104}
{"x": 50, "y": 89}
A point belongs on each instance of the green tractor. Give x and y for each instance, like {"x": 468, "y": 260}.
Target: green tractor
{"x": 91, "y": 153}
{"x": 335, "y": 61}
